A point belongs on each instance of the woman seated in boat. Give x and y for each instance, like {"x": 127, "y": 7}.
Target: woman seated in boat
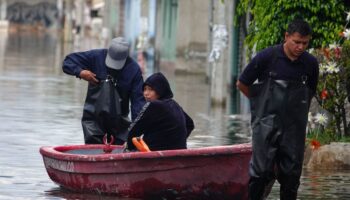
{"x": 162, "y": 122}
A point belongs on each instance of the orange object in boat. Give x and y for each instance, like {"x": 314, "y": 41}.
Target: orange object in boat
{"x": 140, "y": 144}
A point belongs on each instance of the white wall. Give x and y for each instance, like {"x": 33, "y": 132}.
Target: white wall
{"x": 192, "y": 31}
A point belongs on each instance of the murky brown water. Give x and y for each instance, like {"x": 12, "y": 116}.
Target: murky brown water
{"x": 41, "y": 106}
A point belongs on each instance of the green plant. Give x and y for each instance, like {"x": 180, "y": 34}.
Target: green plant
{"x": 269, "y": 20}
{"x": 333, "y": 82}
{"x": 323, "y": 136}
{"x": 344, "y": 139}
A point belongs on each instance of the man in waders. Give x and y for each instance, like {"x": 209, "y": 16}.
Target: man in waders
{"x": 287, "y": 78}
{"x": 115, "y": 79}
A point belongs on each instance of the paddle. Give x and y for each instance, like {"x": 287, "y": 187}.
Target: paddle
{"x": 140, "y": 144}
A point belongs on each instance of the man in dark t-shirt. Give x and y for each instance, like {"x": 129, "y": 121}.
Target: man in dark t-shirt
{"x": 287, "y": 78}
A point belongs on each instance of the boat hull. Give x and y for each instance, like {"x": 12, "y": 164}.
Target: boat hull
{"x": 203, "y": 173}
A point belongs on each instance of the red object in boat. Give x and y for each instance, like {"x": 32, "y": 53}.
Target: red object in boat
{"x": 201, "y": 173}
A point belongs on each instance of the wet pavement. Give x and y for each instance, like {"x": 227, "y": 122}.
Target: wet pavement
{"x": 41, "y": 106}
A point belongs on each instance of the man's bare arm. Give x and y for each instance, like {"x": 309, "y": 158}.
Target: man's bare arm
{"x": 88, "y": 76}
{"x": 243, "y": 88}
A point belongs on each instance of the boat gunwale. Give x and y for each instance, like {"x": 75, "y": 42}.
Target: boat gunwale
{"x": 59, "y": 152}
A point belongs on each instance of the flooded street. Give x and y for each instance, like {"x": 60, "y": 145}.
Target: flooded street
{"x": 41, "y": 106}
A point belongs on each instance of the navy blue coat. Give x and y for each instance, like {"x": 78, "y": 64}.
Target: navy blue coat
{"x": 163, "y": 122}
{"x": 130, "y": 81}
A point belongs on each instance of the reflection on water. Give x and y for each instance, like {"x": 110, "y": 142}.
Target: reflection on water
{"x": 61, "y": 193}
{"x": 321, "y": 185}
{"x": 41, "y": 106}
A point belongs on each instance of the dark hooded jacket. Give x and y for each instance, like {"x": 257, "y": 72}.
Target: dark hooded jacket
{"x": 162, "y": 122}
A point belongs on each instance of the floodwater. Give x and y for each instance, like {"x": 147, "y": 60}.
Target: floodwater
{"x": 41, "y": 106}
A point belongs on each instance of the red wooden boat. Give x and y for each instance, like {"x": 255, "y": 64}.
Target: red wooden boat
{"x": 202, "y": 173}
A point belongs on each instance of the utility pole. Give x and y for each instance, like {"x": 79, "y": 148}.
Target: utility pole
{"x": 218, "y": 56}
{"x": 3, "y": 7}
{"x": 81, "y": 8}
{"x": 210, "y": 47}
{"x": 105, "y": 35}
{"x": 210, "y": 43}
{"x": 67, "y": 31}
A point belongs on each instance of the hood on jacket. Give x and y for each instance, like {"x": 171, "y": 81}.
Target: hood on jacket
{"x": 160, "y": 84}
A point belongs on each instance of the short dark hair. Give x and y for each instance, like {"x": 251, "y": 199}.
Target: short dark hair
{"x": 299, "y": 26}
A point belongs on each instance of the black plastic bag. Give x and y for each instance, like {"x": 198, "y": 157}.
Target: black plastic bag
{"x": 102, "y": 113}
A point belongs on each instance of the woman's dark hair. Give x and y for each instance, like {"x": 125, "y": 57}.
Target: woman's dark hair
{"x": 299, "y": 26}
